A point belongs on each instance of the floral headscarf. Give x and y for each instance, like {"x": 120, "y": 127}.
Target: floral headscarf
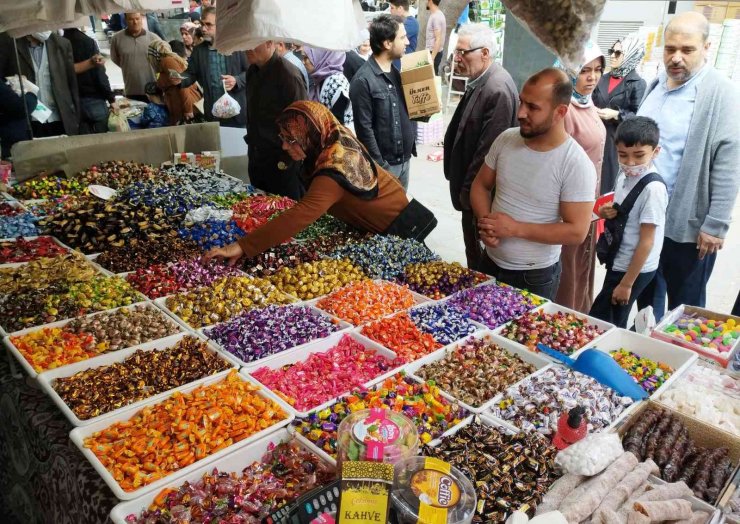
{"x": 633, "y": 50}
{"x": 329, "y": 147}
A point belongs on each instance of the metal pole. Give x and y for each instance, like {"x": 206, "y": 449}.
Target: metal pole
{"x": 29, "y": 127}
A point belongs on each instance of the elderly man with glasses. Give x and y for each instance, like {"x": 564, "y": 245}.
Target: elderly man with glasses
{"x": 488, "y": 108}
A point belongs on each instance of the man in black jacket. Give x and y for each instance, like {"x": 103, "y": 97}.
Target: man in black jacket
{"x": 488, "y": 107}
{"x": 273, "y": 84}
{"x": 212, "y": 71}
{"x": 92, "y": 81}
{"x": 382, "y": 121}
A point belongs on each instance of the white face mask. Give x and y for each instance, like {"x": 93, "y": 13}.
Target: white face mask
{"x": 632, "y": 171}
{"x": 41, "y": 36}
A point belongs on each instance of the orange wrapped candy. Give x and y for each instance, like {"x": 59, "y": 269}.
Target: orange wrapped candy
{"x": 186, "y": 427}
{"x": 399, "y": 334}
{"x": 367, "y": 300}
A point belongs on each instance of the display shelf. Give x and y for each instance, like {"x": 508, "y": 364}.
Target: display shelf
{"x": 47, "y": 379}
{"x": 78, "y": 436}
{"x": 344, "y": 327}
{"x": 538, "y": 361}
{"x": 323, "y": 346}
{"x": 235, "y": 462}
{"x": 61, "y": 323}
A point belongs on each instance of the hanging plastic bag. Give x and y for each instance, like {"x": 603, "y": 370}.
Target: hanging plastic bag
{"x": 562, "y": 26}
{"x": 117, "y": 122}
{"x": 225, "y": 107}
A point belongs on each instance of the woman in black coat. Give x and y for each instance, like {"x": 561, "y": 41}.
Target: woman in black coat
{"x": 618, "y": 95}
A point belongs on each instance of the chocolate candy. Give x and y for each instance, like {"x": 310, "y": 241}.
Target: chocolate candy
{"x": 538, "y": 402}
{"x": 94, "y": 226}
{"x": 564, "y": 332}
{"x": 88, "y": 337}
{"x": 367, "y": 300}
{"x": 314, "y": 279}
{"x": 118, "y": 174}
{"x": 385, "y": 256}
{"x": 476, "y": 370}
{"x": 47, "y": 187}
{"x": 285, "y": 472}
{"x": 494, "y": 304}
{"x": 259, "y": 333}
{"x": 648, "y": 373}
{"x": 432, "y": 413}
{"x": 143, "y": 253}
{"x": 143, "y": 374}
{"x": 307, "y": 384}
{"x": 274, "y": 259}
{"x": 23, "y": 250}
{"x": 10, "y": 210}
{"x": 325, "y": 225}
{"x": 399, "y": 334}
{"x": 325, "y": 245}
{"x": 224, "y": 299}
{"x": 19, "y": 225}
{"x": 43, "y": 272}
{"x": 160, "y": 280}
{"x": 439, "y": 279}
{"x": 445, "y": 323}
{"x": 510, "y": 472}
{"x": 173, "y": 199}
{"x": 206, "y": 182}
{"x": 189, "y": 427}
{"x": 211, "y": 233}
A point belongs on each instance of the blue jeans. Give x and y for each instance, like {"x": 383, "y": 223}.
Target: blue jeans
{"x": 401, "y": 172}
{"x": 618, "y": 314}
{"x": 543, "y": 282}
{"x": 681, "y": 275}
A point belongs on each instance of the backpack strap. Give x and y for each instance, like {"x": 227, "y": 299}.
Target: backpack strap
{"x": 629, "y": 201}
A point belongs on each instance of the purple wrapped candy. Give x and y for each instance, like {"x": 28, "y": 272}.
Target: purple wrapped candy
{"x": 196, "y": 273}
{"x": 259, "y": 333}
{"x": 493, "y": 304}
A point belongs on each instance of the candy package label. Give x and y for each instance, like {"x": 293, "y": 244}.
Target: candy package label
{"x": 437, "y": 491}
{"x": 366, "y": 489}
{"x": 376, "y": 432}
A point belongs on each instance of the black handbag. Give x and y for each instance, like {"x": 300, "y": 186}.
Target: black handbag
{"x": 415, "y": 221}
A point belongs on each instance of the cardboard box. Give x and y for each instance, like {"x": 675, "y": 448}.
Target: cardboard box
{"x": 419, "y": 86}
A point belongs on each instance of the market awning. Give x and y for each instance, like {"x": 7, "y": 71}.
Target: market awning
{"x": 242, "y": 24}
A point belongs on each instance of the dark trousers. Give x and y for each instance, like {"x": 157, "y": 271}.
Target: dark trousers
{"x": 471, "y": 238}
{"x": 681, "y": 275}
{"x": 543, "y": 282}
{"x": 437, "y": 61}
{"x": 94, "y": 117}
{"x": 50, "y": 129}
{"x": 264, "y": 174}
{"x": 618, "y": 314}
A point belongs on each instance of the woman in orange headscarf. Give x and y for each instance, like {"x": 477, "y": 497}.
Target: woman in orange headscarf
{"x": 340, "y": 176}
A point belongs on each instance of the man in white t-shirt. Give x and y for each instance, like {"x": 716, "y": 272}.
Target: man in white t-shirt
{"x": 545, "y": 186}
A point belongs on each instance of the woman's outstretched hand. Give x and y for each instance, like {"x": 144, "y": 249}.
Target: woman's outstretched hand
{"x": 232, "y": 253}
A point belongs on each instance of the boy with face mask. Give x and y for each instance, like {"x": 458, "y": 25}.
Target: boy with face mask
{"x": 638, "y": 254}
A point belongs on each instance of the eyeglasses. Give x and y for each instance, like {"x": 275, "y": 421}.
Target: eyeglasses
{"x": 463, "y": 52}
{"x": 616, "y": 52}
{"x": 289, "y": 141}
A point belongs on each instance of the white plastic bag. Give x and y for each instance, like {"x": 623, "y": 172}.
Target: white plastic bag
{"x": 591, "y": 455}
{"x": 562, "y": 26}
{"x": 117, "y": 122}
{"x": 645, "y": 321}
{"x": 225, "y": 107}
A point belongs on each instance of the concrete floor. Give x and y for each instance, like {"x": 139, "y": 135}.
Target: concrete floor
{"x": 429, "y": 186}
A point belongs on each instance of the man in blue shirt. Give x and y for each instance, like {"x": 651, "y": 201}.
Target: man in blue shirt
{"x": 697, "y": 110}
{"x": 401, "y": 8}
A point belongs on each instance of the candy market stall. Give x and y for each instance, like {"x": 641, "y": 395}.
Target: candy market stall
{"x": 193, "y": 390}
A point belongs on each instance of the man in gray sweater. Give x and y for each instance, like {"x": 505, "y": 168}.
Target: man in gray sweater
{"x": 697, "y": 110}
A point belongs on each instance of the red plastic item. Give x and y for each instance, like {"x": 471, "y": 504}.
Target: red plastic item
{"x": 572, "y": 427}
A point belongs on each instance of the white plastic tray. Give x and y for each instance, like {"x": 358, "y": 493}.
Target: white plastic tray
{"x": 536, "y": 360}
{"x": 678, "y": 358}
{"x": 551, "y": 308}
{"x": 162, "y": 304}
{"x": 323, "y": 346}
{"x": 18, "y": 264}
{"x": 343, "y": 328}
{"x": 48, "y": 378}
{"x": 78, "y": 436}
{"x": 27, "y": 366}
{"x": 418, "y": 299}
{"x": 233, "y": 462}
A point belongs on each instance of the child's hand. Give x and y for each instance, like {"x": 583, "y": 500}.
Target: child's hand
{"x": 607, "y": 211}
{"x": 621, "y": 294}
